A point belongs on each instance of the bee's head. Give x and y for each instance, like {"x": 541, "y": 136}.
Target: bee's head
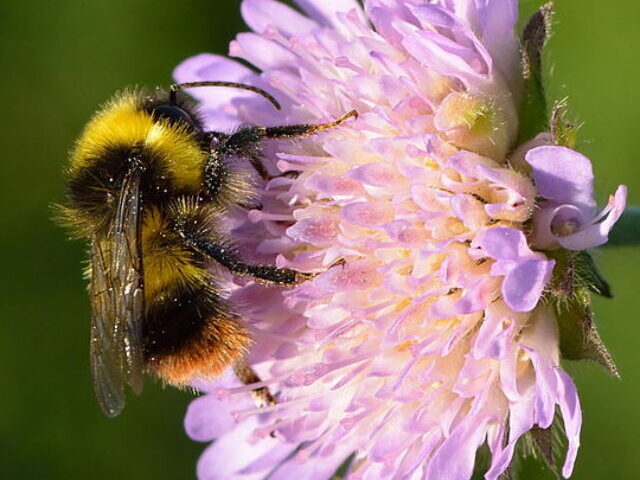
{"x": 172, "y": 113}
{"x": 178, "y": 110}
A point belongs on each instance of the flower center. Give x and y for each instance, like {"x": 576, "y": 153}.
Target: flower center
{"x": 563, "y": 229}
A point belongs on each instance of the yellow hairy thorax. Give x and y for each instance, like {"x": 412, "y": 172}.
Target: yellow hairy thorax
{"x": 123, "y": 123}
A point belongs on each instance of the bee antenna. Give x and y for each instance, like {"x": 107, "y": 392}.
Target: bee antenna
{"x": 182, "y": 86}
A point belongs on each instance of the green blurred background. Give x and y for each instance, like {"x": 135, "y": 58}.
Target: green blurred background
{"x": 61, "y": 59}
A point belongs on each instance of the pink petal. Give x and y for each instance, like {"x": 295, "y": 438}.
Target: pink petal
{"x": 524, "y": 284}
{"x": 221, "y": 460}
{"x": 319, "y": 230}
{"x": 503, "y": 243}
{"x": 493, "y": 337}
{"x": 455, "y": 458}
{"x": 208, "y": 418}
{"x": 326, "y": 11}
{"x": 260, "y": 14}
{"x": 497, "y": 21}
{"x": 572, "y": 418}
{"x": 351, "y": 277}
{"x": 367, "y": 214}
{"x": 563, "y": 176}
{"x": 520, "y": 421}
{"x": 526, "y": 273}
{"x": 431, "y": 53}
{"x": 336, "y": 186}
{"x": 597, "y": 234}
{"x": 376, "y": 174}
{"x": 261, "y": 52}
{"x": 543, "y": 221}
{"x": 268, "y": 461}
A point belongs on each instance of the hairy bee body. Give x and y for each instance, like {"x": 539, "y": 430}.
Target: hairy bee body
{"x": 187, "y": 328}
{"x": 148, "y": 187}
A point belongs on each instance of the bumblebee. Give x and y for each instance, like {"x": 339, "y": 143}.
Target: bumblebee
{"x": 148, "y": 186}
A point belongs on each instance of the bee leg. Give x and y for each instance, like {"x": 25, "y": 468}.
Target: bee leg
{"x": 300, "y": 130}
{"x": 215, "y": 176}
{"x": 261, "y": 395}
{"x": 259, "y": 167}
{"x": 228, "y": 258}
{"x": 245, "y": 142}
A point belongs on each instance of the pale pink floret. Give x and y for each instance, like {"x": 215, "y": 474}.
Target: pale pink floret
{"x": 525, "y": 272}
{"x": 430, "y": 340}
{"x": 566, "y": 217}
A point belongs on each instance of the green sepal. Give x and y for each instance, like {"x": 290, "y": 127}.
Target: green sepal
{"x": 542, "y": 442}
{"x": 549, "y": 444}
{"x": 482, "y": 462}
{"x": 565, "y": 132}
{"x": 509, "y": 474}
{"x": 626, "y": 231}
{"x": 579, "y": 337}
{"x": 576, "y": 278}
{"x": 343, "y": 469}
{"x": 588, "y": 275}
{"x": 576, "y": 274}
{"x": 534, "y": 115}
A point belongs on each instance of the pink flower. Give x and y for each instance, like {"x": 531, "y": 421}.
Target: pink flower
{"x": 431, "y": 339}
{"x": 566, "y": 217}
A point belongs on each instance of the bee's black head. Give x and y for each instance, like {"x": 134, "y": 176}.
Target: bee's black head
{"x": 173, "y": 113}
{"x": 177, "y": 109}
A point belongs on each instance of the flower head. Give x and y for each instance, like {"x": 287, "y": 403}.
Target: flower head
{"x": 424, "y": 335}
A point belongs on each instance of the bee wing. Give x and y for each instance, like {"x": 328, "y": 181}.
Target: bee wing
{"x": 126, "y": 265}
{"x": 117, "y": 301}
{"x": 106, "y": 362}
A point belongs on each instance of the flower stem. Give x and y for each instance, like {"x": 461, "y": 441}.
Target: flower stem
{"x": 627, "y": 230}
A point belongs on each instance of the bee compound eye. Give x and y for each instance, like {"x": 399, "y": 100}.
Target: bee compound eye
{"x": 172, "y": 113}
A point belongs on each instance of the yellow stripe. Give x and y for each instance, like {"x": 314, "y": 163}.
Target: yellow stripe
{"x": 167, "y": 266}
{"x": 122, "y": 123}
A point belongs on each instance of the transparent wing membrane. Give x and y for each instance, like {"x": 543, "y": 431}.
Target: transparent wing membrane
{"x": 117, "y": 303}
